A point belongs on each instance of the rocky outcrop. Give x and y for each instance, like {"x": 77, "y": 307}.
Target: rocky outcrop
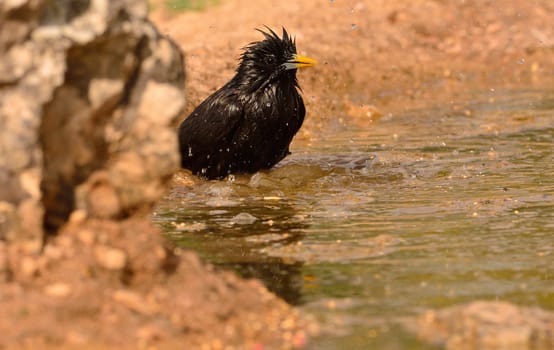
{"x": 89, "y": 95}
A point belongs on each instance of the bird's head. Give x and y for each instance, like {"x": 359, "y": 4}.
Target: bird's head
{"x": 272, "y": 59}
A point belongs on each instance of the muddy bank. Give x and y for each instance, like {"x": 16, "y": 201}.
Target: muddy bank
{"x": 103, "y": 284}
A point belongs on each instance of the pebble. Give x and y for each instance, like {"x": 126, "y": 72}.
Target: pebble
{"x": 110, "y": 258}
{"x": 103, "y": 202}
{"x": 57, "y": 290}
{"x": 243, "y": 219}
{"x": 149, "y": 333}
{"x": 78, "y": 216}
{"x": 53, "y": 252}
{"x": 133, "y": 301}
{"x": 28, "y": 267}
{"x": 76, "y": 338}
{"x": 86, "y": 237}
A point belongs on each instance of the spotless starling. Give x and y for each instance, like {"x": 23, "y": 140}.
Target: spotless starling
{"x": 248, "y": 124}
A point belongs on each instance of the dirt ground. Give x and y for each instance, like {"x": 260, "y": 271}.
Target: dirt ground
{"x": 108, "y": 285}
{"x": 376, "y": 57}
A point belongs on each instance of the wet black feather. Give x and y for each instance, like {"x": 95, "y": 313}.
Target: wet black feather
{"x": 247, "y": 124}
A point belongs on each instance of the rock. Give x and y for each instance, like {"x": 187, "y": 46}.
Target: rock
{"x": 488, "y": 325}
{"x": 110, "y": 258}
{"x": 88, "y": 90}
{"x": 243, "y": 219}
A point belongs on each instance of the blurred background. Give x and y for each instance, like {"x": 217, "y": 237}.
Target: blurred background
{"x": 421, "y": 178}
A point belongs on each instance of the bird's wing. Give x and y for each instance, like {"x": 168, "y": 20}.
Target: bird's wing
{"x": 301, "y": 110}
{"x": 214, "y": 121}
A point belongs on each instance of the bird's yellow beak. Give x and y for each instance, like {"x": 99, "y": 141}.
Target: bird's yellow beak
{"x": 303, "y": 61}
{"x": 299, "y": 61}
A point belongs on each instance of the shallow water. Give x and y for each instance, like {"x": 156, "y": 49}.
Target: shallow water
{"x": 376, "y": 223}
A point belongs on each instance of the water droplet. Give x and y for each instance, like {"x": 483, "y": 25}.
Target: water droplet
{"x": 203, "y": 170}
{"x": 353, "y": 26}
{"x": 190, "y": 151}
{"x": 521, "y": 61}
{"x": 268, "y": 104}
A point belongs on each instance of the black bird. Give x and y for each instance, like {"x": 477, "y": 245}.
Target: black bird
{"x": 248, "y": 124}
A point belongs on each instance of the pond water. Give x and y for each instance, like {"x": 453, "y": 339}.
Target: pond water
{"x": 376, "y": 223}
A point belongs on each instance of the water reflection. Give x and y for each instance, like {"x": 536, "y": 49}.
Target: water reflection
{"x": 232, "y": 222}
